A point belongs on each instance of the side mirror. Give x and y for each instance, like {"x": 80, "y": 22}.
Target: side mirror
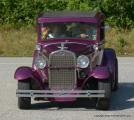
{"x": 106, "y": 27}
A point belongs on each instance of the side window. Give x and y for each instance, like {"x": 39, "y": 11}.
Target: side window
{"x": 102, "y": 31}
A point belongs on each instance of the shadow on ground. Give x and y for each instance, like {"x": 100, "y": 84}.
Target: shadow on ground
{"x": 78, "y": 105}
{"x": 121, "y": 99}
{"x": 124, "y": 97}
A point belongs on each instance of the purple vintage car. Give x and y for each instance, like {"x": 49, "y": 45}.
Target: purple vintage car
{"x": 69, "y": 61}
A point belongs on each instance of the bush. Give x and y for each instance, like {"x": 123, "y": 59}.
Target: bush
{"x": 121, "y": 43}
{"x": 16, "y": 12}
{"x": 119, "y": 12}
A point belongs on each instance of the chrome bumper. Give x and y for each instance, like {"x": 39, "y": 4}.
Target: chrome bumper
{"x": 61, "y": 93}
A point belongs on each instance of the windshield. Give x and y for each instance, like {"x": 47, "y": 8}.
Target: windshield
{"x": 68, "y": 30}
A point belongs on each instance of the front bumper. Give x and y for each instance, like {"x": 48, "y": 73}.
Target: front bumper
{"x": 61, "y": 93}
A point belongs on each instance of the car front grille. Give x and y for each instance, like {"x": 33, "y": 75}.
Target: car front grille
{"x": 62, "y": 70}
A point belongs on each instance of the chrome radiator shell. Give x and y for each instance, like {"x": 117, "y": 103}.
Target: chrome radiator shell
{"x": 62, "y": 70}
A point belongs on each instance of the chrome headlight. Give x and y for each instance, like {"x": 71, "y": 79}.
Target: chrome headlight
{"x": 82, "y": 61}
{"x": 40, "y": 62}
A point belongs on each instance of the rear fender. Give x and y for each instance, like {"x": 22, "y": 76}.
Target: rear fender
{"x": 109, "y": 59}
{"x": 23, "y": 73}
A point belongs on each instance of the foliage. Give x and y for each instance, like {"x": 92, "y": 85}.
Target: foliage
{"x": 119, "y": 12}
{"x": 16, "y": 12}
{"x": 121, "y": 43}
{"x": 14, "y": 42}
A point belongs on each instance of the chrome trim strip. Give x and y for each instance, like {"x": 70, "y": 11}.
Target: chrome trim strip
{"x": 62, "y": 93}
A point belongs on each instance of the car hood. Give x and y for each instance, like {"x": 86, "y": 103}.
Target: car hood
{"x": 76, "y": 46}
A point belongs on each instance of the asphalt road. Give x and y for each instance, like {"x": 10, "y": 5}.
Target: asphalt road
{"x": 122, "y": 103}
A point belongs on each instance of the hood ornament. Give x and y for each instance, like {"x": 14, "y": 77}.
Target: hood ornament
{"x": 62, "y": 47}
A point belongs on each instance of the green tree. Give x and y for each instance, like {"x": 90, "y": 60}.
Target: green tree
{"x": 119, "y": 12}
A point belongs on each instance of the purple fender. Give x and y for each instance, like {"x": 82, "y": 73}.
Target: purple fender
{"x": 108, "y": 65}
{"x": 23, "y": 73}
{"x": 101, "y": 72}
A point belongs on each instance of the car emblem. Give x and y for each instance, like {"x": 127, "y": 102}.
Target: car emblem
{"x": 62, "y": 47}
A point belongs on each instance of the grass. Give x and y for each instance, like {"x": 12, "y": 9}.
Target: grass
{"x": 17, "y": 42}
{"x": 21, "y": 42}
{"x": 122, "y": 42}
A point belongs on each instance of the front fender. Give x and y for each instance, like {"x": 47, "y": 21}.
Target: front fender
{"x": 100, "y": 72}
{"x": 23, "y": 73}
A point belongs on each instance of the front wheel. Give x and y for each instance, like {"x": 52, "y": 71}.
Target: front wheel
{"x": 104, "y": 103}
{"x": 24, "y": 102}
